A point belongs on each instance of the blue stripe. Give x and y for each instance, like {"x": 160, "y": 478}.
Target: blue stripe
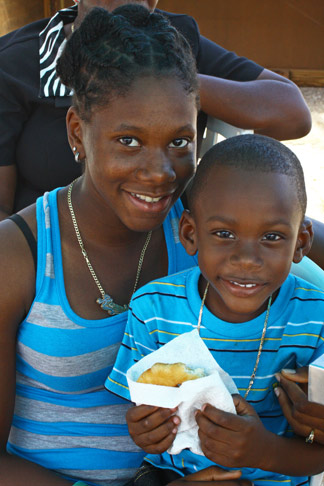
{"x": 98, "y": 398}
{"x": 73, "y": 429}
{"x": 91, "y": 459}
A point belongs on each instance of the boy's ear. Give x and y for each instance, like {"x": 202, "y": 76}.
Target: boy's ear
{"x": 74, "y": 131}
{"x": 304, "y": 240}
{"x": 187, "y": 232}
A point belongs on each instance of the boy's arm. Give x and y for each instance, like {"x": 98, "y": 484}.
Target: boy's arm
{"x": 153, "y": 429}
{"x": 243, "y": 441}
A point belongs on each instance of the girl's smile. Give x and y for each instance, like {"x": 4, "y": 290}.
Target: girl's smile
{"x": 138, "y": 166}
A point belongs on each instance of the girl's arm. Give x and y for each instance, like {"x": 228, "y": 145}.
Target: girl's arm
{"x": 17, "y": 287}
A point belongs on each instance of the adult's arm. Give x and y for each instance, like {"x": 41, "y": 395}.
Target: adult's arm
{"x": 270, "y": 105}
{"x": 302, "y": 414}
{"x": 17, "y": 286}
{"x": 19, "y": 86}
{"x": 8, "y": 178}
{"x": 244, "y": 94}
{"x": 317, "y": 250}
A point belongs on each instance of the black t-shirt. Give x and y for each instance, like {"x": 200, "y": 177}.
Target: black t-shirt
{"x": 32, "y": 128}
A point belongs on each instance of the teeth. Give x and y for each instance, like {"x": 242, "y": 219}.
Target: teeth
{"x": 246, "y": 286}
{"x": 146, "y": 198}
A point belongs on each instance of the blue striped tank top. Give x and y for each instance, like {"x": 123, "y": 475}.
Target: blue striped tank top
{"x": 64, "y": 418}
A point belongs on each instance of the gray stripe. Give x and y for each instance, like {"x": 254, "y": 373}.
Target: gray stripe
{"x": 103, "y": 477}
{"x": 46, "y": 211}
{"x": 48, "y": 412}
{"x": 49, "y": 266}
{"x": 25, "y": 380}
{"x": 175, "y": 229}
{"x": 29, "y": 440}
{"x": 51, "y": 316}
{"x": 69, "y": 366}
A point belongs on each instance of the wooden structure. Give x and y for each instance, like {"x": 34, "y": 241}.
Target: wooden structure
{"x": 284, "y": 35}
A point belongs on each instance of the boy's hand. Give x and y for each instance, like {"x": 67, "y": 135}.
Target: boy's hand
{"x": 152, "y": 428}
{"x": 233, "y": 440}
{"x": 302, "y": 415}
{"x": 212, "y": 476}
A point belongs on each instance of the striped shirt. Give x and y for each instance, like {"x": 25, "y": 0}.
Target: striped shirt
{"x": 64, "y": 418}
{"x": 51, "y": 43}
{"x": 170, "y": 306}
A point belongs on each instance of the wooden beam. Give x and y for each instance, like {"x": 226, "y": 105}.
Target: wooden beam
{"x": 308, "y": 77}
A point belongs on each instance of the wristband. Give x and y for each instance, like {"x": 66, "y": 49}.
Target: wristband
{"x": 79, "y": 483}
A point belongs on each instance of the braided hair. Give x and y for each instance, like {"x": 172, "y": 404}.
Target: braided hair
{"x": 110, "y": 50}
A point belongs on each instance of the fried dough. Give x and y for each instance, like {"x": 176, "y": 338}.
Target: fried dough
{"x": 170, "y": 374}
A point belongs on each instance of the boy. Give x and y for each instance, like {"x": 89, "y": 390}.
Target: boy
{"x": 246, "y": 221}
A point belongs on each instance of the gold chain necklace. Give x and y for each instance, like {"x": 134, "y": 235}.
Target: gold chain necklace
{"x": 261, "y": 340}
{"x": 106, "y": 302}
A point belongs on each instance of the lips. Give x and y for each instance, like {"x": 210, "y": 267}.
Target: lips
{"x": 150, "y": 203}
{"x": 147, "y": 198}
{"x": 243, "y": 288}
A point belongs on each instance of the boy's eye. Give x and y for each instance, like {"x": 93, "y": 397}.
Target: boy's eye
{"x": 129, "y": 141}
{"x": 271, "y": 237}
{"x": 179, "y": 143}
{"x": 224, "y": 234}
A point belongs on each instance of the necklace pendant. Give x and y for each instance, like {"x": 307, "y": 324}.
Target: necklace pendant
{"x": 108, "y": 305}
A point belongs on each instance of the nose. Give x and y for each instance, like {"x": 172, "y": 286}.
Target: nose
{"x": 246, "y": 254}
{"x": 157, "y": 168}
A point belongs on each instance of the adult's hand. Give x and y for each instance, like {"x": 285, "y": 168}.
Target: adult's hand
{"x": 212, "y": 476}
{"x": 233, "y": 440}
{"x": 302, "y": 415}
{"x": 317, "y": 250}
{"x": 152, "y": 428}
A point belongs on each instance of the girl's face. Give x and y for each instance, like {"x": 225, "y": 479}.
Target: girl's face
{"x": 139, "y": 151}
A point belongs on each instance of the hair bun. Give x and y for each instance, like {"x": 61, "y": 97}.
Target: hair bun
{"x": 137, "y": 14}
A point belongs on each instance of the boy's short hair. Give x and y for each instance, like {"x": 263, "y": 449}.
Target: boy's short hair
{"x": 250, "y": 153}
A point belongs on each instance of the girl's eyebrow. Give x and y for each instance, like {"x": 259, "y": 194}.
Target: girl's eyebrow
{"x": 125, "y": 127}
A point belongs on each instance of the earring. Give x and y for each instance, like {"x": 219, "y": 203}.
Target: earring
{"x": 76, "y": 155}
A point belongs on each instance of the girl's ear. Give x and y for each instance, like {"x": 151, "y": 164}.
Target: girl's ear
{"x": 74, "y": 132}
{"x": 187, "y": 232}
{"x": 304, "y": 240}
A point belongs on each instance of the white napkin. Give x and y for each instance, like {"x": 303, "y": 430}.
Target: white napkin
{"x": 215, "y": 388}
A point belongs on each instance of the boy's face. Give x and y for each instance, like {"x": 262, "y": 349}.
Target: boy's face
{"x": 246, "y": 227}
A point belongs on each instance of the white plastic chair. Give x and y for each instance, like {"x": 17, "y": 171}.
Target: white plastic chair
{"x": 215, "y": 128}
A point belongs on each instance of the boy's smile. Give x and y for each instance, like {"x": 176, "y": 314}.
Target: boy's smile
{"x": 246, "y": 228}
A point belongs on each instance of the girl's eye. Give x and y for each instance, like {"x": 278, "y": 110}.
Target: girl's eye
{"x": 271, "y": 237}
{"x": 179, "y": 143}
{"x": 129, "y": 141}
{"x": 224, "y": 234}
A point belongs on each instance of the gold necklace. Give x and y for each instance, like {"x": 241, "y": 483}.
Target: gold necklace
{"x": 261, "y": 340}
{"x": 106, "y": 302}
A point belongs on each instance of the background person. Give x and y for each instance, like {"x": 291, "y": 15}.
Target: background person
{"x": 34, "y": 152}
